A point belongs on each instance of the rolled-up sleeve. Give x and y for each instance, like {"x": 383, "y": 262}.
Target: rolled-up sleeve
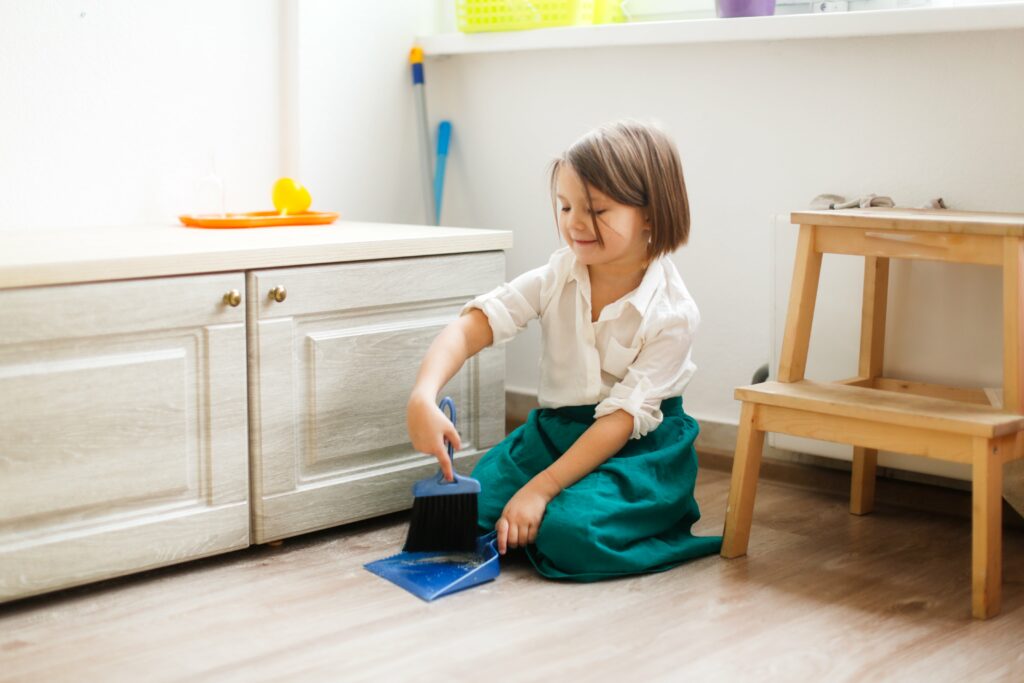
{"x": 661, "y": 370}
{"x": 512, "y": 305}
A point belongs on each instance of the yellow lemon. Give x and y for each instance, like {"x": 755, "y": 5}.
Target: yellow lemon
{"x": 290, "y": 197}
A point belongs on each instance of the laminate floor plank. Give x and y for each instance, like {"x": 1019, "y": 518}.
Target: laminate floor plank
{"x": 822, "y": 595}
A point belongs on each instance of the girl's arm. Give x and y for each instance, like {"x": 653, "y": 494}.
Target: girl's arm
{"x": 521, "y": 518}
{"x": 428, "y": 427}
{"x": 602, "y": 440}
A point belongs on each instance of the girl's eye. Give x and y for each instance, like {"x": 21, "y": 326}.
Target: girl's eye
{"x": 565, "y": 209}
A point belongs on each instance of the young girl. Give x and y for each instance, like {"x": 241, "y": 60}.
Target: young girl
{"x": 599, "y": 481}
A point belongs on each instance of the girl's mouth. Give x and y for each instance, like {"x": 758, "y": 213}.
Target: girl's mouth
{"x": 584, "y": 243}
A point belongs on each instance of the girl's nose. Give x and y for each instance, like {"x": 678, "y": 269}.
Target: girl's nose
{"x": 579, "y": 221}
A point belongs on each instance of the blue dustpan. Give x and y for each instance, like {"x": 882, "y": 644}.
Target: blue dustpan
{"x": 432, "y": 575}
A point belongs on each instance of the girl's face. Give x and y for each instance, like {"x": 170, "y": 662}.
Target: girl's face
{"x": 624, "y": 230}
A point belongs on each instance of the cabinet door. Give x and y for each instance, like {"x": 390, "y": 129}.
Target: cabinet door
{"x": 331, "y": 368}
{"x": 123, "y": 441}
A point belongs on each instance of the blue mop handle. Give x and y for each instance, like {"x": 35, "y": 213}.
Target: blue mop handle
{"x": 444, "y": 134}
{"x": 448, "y": 403}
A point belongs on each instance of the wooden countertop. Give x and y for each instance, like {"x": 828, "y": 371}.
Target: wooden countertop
{"x": 47, "y": 257}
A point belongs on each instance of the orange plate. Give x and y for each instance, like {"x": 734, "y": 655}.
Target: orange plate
{"x": 257, "y": 219}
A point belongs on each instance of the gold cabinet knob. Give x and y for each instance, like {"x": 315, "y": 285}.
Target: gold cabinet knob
{"x": 278, "y": 293}
{"x": 233, "y": 298}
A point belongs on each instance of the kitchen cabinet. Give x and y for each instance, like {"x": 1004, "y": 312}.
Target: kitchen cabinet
{"x": 168, "y": 394}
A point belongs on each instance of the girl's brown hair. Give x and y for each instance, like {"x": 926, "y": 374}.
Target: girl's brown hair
{"x": 637, "y": 165}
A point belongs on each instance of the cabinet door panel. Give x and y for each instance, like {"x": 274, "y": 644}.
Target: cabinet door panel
{"x": 85, "y": 446}
{"x": 330, "y": 387}
{"x": 122, "y": 443}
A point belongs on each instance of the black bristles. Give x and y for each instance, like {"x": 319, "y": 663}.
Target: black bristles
{"x": 443, "y": 523}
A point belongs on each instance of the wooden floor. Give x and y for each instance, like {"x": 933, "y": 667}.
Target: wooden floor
{"x": 822, "y": 596}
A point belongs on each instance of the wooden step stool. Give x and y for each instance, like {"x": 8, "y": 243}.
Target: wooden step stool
{"x": 872, "y": 412}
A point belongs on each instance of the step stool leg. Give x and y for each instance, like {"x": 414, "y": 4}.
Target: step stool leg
{"x": 872, "y": 355}
{"x": 1013, "y": 355}
{"x": 745, "y": 469}
{"x": 987, "y": 526}
{"x": 1013, "y": 325}
{"x": 803, "y": 294}
{"x": 862, "y": 486}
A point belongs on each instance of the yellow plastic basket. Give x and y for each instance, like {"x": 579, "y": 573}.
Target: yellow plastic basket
{"x": 477, "y": 16}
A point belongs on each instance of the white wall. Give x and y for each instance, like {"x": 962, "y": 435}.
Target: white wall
{"x": 111, "y": 110}
{"x": 358, "y": 150}
{"x": 762, "y": 128}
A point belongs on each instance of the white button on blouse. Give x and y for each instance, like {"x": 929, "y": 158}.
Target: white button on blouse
{"x": 635, "y": 355}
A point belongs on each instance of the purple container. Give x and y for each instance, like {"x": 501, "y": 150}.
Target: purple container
{"x": 745, "y": 8}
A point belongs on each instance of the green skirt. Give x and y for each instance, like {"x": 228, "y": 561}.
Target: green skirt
{"x": 632, "y": 515}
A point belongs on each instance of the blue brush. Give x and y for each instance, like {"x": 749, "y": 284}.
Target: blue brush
{"x": 444, "y": 135}
{"x": 444, "y": 512}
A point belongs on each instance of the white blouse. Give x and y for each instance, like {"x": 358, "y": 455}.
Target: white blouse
{"x": 635, "y": 355}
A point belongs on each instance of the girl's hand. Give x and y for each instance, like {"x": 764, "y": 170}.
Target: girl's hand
{"x": 428, "y": 428}
{"x": 517, "y": 527}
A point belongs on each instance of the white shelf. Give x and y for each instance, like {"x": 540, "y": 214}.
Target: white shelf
{"x": 787, "y": 27}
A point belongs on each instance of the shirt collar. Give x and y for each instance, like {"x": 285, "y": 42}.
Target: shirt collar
{"x": 579, "y": 272}
{"x": 640, "y": 298}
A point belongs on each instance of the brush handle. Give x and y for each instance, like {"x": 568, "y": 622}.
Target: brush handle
{"x": 444, "y": 134}
{"x": 448, "y": 403}
{"x": 426, "y": 156}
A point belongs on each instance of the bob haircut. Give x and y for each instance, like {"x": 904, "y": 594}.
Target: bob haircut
{"x": 634, "y": 164}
